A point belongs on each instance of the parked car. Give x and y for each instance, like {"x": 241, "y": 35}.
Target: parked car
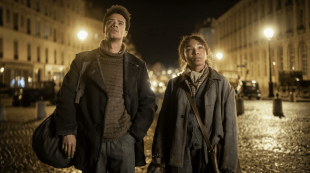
{"x": 44, "y": 91}
{"x": 248, "y": 89}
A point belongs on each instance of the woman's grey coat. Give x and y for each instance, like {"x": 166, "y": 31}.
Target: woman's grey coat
{"x": 219, "y": 120}
{"x": 86, "y": 119}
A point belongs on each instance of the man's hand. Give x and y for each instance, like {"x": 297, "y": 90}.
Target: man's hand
{"x": 68, "y": 145}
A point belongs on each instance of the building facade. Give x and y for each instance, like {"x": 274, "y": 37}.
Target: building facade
{"x": 38, "y": 39}
{"x": 239, "y": 36}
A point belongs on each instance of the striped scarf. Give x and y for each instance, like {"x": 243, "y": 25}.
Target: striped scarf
{"x": 195, "y": 83}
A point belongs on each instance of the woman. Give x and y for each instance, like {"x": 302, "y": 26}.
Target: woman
{"x": 179, "y": 146}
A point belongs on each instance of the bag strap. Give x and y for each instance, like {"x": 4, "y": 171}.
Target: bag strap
{"x": 202, "y": 127}
{"x": 80, "y": 86}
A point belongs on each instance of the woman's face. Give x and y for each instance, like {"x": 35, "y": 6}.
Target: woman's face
{"x": 195, "y": 54}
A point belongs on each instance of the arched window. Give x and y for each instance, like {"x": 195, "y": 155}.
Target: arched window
{"x": 303, "y": 57}
{"x": 291, "y": 54}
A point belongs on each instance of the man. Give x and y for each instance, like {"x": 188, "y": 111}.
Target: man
{"x": 178, "y": 142}
{"x": 104, "y": 131}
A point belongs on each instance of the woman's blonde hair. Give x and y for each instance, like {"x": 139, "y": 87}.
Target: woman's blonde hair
{"x": 184, "y": 42}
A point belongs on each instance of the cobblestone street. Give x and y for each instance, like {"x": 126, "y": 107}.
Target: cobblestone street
{"x": 266, "y": 143}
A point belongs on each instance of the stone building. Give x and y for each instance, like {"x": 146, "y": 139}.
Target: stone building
{"x": 239, "y": 36}
{"x": 38, "y": 39}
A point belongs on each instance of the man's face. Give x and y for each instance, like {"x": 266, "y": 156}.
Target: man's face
{"x": 195, "y": 54}
{"x": 114, "y": 27}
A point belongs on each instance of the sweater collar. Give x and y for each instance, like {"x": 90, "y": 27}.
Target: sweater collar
{"x": 106, "y": 53}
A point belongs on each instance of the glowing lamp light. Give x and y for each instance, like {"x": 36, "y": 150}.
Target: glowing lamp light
{"x": 2, "y": 69}
{"x": 274, "y": 63}
{"x": 82, "y": 35}
{"x": 219, "y": 56}
{"x": 253, "y": 81}
{"x": 169, "y": 71}
{"x": 268, "y": 33}
{"x": 154, "y": 83}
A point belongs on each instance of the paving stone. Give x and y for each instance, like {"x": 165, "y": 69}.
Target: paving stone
{"x": 266, "y": 143}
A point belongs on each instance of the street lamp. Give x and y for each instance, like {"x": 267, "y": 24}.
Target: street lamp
{"x": 269, "y": 33}
{"x": 219, "y": 56}
{"x": 82, "y": 35}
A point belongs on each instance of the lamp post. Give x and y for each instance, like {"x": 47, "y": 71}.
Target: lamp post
{"x": 269, "y": 33}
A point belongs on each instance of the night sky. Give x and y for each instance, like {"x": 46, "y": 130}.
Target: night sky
{"x": 158, "y": 26}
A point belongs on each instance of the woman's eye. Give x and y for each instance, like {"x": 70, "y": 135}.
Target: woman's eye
{"x": 120, "y": 23}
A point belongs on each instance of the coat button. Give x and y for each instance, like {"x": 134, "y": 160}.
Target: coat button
{"x": 189, "y": 123}
{"x": 192, "y": 112}
{"x": 196, "y": 145}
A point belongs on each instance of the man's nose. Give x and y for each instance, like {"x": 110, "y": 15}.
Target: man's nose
{"x": 114, "y": 25}
{"x": 195, "y": 52}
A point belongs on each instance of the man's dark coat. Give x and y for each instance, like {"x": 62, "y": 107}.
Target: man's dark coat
{"x": 86, "y": 119}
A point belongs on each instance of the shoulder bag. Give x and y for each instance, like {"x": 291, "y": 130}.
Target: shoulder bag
{"x": 46, "y": 143}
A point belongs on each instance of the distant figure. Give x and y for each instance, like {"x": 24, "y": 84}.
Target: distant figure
{"x": 105, "y": 130}
{"x": 178, "y": 141}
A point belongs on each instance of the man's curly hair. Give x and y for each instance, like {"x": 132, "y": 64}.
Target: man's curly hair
{"x": 119, "y": 10}
{"x": 184, "y": 42}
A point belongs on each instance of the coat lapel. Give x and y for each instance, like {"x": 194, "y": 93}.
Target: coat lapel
{"x": 131, "y": 71}
{"x": 94, "y": 71}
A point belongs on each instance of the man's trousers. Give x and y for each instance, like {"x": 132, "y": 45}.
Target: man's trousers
{"x": 118, "y": 156}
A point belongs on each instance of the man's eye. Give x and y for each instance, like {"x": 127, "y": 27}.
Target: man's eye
{"x": 200, "y": 47}
{"x": 120, "y": 23}
{"x": 189, "y": 50}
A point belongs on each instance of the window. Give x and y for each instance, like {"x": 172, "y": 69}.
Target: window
{"x": 28, "y": 26}
{"x": 8, "y": 16}
{"x": 55, "y": 57}
{"x": 62, "y": 38}
{"x": 15, "y": 21}
{"x": 262, "y": 10}
{"x": 255, "y": 14}
{"x": 22, "y": 21}
{"x": 1, "y": 16}
{"x": 38, "y": 6}
{"x": 38, "y": 29}
{"x": 289, "y": 22}
{"x": 266, "y": 62}
{"x": 15, "y": 50}
{"x": 46, "y": 55}
{"x": 55, "y": 35}
{"x": 62, "y": 58}
{"x": 300, "y": 15}
{"x": 28, "y": 4}
{"x": 291, "y": 54}
{"x": 46, "y": 31}
{"x": 280, "y": 54}
{"x": 270, "y": 7}
{"x": 303, "y": 55}
{"x": 28, "y": 52}
{"x": 38, "y": 54}
{"x": 1, "y": 48}
{"x": 45, "y": 11}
